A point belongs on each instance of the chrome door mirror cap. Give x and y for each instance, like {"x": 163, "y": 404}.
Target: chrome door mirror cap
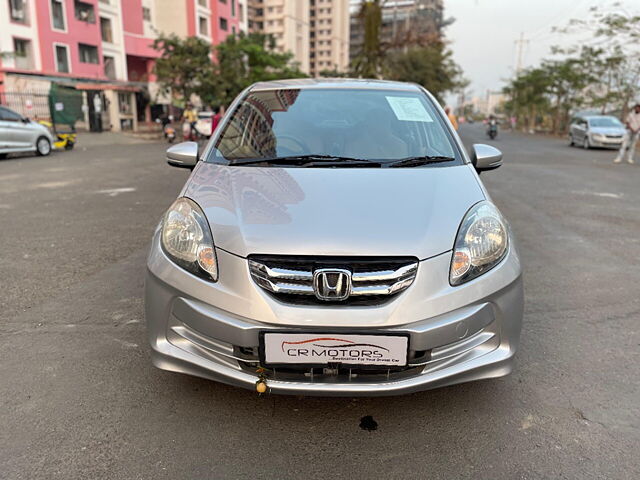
{"x": 183, "y": 155}
{"x": 485, "y": 157}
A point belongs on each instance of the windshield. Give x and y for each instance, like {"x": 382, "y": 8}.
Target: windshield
{"x": 605, "y": 122}
{"x": 353, "y": 124}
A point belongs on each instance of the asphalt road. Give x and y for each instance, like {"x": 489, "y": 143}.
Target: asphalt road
{"x": 80, "y": 399}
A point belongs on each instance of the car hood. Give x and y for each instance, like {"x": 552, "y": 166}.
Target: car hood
{"x": 608, "y": 130}
{"x": 334, "y": 211}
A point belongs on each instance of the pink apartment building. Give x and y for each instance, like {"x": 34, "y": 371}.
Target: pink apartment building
{"x": 214, "y": 20}
{"x": 102, "y": 48}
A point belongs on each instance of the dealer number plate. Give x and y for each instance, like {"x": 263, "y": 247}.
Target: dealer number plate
{"x": 321, "y": 349}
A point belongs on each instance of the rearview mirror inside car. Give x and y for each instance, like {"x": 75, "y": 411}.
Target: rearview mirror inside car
{"x": 183, "y": 155}
{"x": 485, "y": 157}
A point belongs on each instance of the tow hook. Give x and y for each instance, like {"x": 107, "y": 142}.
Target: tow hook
{"x": 261, "y": 383}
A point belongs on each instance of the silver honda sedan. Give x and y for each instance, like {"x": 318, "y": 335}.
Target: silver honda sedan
{"x": 19, "y": 134}
{"x": 334, "y": 238}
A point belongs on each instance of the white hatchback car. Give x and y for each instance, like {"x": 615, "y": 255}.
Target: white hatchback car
{"x": 19, "y": 134}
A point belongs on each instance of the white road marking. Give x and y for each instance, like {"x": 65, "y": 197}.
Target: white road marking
{"x": 114, "y": 192}
{"x": 124, "y": 343}
{"x": 10, "y": 176}
{"x": 54, "y": 184}
{"x": 609, "y": 195}
{"x": 599, "y": 194}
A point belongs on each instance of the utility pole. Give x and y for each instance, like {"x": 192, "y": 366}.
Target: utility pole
{"x": 520, "y": 44}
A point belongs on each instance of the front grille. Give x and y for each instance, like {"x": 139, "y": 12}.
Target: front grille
{"x": 617, "y": 137}
{"x": 373, "y": 280}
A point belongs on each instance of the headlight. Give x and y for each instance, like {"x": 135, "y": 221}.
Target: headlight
{"x": 481, "y": 243}
{"x": 186, "y": 238}
{"x": 598, "y": 136}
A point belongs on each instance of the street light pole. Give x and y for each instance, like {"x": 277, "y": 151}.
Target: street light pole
{"x": 520, "y": 45}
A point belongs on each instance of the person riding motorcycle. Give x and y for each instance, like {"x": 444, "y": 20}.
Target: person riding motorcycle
{"x": 190, "y": 117}
{"x": 168, "y": 130}
{"x": 492, "y": 127}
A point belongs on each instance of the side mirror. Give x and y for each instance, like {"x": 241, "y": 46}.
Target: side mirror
{"x": 183, "y": 155}
{"x": 485, "y": 157}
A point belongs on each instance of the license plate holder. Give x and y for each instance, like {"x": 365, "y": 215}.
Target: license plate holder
{"x": 318, "y": 349}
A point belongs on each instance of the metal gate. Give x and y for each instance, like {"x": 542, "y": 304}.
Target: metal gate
{"x": 34, "y": 105}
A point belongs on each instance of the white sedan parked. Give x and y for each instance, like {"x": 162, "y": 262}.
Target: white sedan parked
{"x": 19, "y": 134}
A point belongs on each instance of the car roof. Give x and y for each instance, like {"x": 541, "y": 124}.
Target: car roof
{"x": 590, "y": 117}
{"x": 338, "y": 83}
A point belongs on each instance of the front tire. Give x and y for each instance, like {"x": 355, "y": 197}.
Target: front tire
{"x": 572, "y": 143}
{"x": 43, "y": 146}
{"x": 585, "y": 144}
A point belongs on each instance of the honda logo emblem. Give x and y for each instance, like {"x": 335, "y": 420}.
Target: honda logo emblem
{"x": 332, "y": 284}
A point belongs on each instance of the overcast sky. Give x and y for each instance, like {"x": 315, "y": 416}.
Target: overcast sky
{"x": 484, "y": 33}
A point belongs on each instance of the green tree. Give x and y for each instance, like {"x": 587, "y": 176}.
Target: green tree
{"x": 528, "y": 98}
{"x": 616, "y": 66}
{"x": 548, "y": 93}
{"x": 183, "y": 66}
{"x": 333, "y": 73}
{"x": 431, "y": 66}
{"x": 567, "y": 80}
{"x": 369, "y": 62}
{"x": 243, "y": 60}
{"x": 423, "y": 59}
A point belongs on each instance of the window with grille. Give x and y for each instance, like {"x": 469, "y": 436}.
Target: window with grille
{"x": 57, "y": 15}
{"x": 22, "y": 53}
{"x": 18, "y": 11}
{"x": 88, "y": 53}
{"x": 62, "y": 59}
{"x": 105, "y": 30}
{"x": 84, "y": 12}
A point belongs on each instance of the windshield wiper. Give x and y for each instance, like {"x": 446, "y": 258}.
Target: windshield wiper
{"x": 309, "y": 161}
{"x": 417, "y": 161}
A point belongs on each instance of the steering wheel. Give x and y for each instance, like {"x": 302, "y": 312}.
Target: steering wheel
{"x": 281, "y": 146}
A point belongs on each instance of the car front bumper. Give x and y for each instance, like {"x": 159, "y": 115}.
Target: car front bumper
{"x": 606, "y": 142}
{"x": 470, "y": 332}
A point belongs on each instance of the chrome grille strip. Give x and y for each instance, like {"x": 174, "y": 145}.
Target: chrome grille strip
{"x": 285, "y": 287}
{"x": 279, "y": 273}
{"x": 292, "y": 277}
{"x": 385, "y": 276}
